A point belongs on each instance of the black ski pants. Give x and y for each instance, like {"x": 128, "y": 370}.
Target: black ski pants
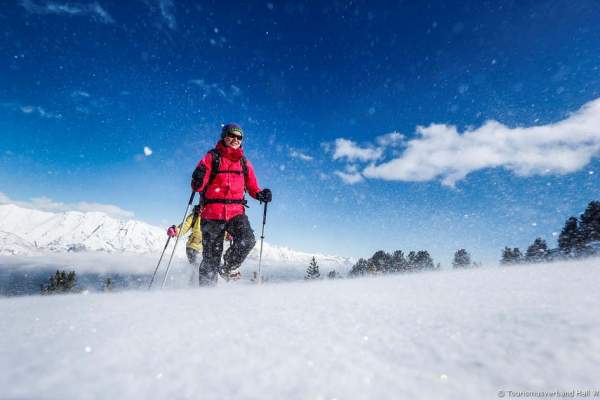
{"x": 213, "y": 233}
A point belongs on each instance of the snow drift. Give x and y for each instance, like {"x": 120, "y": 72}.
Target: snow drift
{"x": 438, "y": 335}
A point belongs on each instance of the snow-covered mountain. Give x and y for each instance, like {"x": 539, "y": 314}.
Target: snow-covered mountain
{"x": 27, "y": 232}
{"x": 76, "y": 231}
{"x": 11, "y": 244}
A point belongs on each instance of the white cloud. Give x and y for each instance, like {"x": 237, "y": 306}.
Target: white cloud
{"x": 47, "y": 204}
{"x": 31, "y": 110}
{"x": 441, "y": 152}
{"x": 105, "y": 208}
{"x": 348, "y": 149}
{"x": 351, "y": 152}
{"x": 351, "y": 178}
{"x": 147, "y": 151}
{"x": 93, "y": 10}
{"x": 391, "y": 139}
{"x": 80, "y": 93}
{"x": 36, "y": 110}
{"x": 166, "y": 9}
{"x": 209, "y": 89}
{"x": 300, "y": 155}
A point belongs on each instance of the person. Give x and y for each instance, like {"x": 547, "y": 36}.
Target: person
{"x": 193, "y": 246}
{"x": 222, "y": 177}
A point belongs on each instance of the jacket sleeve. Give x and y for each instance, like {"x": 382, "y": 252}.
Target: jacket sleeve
{"x": 202, "y": 172}
{"x": 187, "y": 224}
{"x": 251, "y": 181}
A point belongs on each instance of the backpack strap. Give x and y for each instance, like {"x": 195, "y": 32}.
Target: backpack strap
{"x": 244, "y": 169}
{"x": 216, "y": 160}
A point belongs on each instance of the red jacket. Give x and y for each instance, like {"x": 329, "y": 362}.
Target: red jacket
{"x": 229, "y": 186}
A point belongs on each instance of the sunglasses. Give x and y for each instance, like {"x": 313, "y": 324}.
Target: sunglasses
{"x": 234, "y": 136}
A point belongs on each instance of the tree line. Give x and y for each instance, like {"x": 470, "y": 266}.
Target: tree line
{"x": 579, "y": 237}
{"x": 62, "y": 282}
{"x": 381, "y": 263}
{"x": 393, "y": 263}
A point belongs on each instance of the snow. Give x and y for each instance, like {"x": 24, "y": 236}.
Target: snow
{"x": 437, "y": 335}
{"x": 14, "y": 245}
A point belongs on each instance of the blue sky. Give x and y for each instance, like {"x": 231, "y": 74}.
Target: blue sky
{"x": 330, "y": 95}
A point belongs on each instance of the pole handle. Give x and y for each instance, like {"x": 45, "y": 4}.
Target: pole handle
{"x": 265, "y": 214}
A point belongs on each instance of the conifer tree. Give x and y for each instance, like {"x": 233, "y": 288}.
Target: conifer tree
{"x": 312, "y": 272}
{"x": 60, "y": 282}
{"x": 381, "y": 262}
{"x": 411, "y": 261}
{"x": 569, "y": 240}
{"x": 398, "y": 262}
{"x": 360, "y": 268}
{"x": 462, "y": 259}
{"x": 589, "y": 225}
{"x": 511, "y": 256}
{"x": 517, "y": 256}
{"x": 507, "y": 256}
{"x": 537, "y": 251}
{"x": 371, "y": 267}
{"x": 422, "y": 261}
{"x": 108, "y": 284}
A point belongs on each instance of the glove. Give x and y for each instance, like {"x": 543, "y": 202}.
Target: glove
{"x": 264, "y": 195}
{"x": 172, "y": 231}
{"x": 198, "y": 177}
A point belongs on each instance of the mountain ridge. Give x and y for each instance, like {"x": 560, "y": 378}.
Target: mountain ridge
{"x": 25, "y": 231}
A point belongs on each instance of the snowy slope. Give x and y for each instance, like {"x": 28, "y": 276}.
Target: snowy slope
{"x": 438, "y": 335}
{"x": 11, "y": 244}
{"x": 78, "y": 231}
{"x": 36, "y": 233}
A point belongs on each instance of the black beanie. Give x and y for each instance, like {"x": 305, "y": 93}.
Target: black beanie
{"x": 231, "y": 127}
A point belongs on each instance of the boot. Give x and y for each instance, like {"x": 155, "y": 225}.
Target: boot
{"x": 231, "y": 273}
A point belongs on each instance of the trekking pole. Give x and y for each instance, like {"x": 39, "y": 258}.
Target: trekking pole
{"x": 262, "y": 238}
{"x": 157, "y": 265}
{"x": 177, "y": 239}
